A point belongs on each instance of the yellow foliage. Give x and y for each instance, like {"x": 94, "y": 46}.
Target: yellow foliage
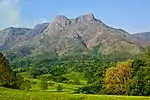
{"x": 117, "y": 78}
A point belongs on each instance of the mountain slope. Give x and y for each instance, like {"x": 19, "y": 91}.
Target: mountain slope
{"x": 15, "y": 37}
{"x": 91, "y": 32}
{"x": 144, "y": 36}
{"x": 65, "y": 36}
{"x": 10, "y": 35}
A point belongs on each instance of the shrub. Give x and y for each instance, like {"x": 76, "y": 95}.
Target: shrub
{"x": 59, "y": 88}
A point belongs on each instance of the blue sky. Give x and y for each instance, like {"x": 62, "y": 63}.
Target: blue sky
{"x": 130, "y": 15}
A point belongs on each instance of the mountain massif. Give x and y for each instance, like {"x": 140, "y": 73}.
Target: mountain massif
{"x": 64, "y": 36}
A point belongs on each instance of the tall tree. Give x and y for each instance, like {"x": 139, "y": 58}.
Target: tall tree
{"x": 141, "y": 78}
{"x": 44, "y": 84}
{"x": 6, "y": 75}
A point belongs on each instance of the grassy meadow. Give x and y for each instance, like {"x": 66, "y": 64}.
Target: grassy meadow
{"x": 51, "y": 94}
{"x": 67, "y": 88}
{"x": 9, "y": 94}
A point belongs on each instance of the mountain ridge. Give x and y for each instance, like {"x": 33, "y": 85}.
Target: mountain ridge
{"x": 144, "y": 36}
{"x": 80, "y": 35}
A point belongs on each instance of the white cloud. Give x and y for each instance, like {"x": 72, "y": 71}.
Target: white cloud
{"x": 10, "y": 15}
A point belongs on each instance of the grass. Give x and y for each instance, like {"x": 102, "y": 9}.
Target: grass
{"x": 10, "y": 94}
{"x": 69, "y": 88}
{"x": 51, "y": 94}
{"x": 76, "y": 75}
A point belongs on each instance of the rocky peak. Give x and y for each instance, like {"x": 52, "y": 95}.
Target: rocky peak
{"x": 14, "y": 31}
{"x": 41, "y": 25}
{"x": 62, "y": 20}
{"x": 89, "y": 16}
{"x": 86, "y": 17}
{"x": 9, "y": 30}
{"x": 36, "y": 31}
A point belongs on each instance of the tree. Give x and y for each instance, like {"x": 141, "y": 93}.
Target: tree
{"x": 59, "y": 88}
{"x": 27, "y": 85}
{"x": 141, "y": 79}
{"x": 44, "y": 84}
{"x": 17, "y": 82}
{"x": 6, "y": 75}
{"x": 117, "y": 79}
{"x": 147, "y": 57}
{"x": 95, "y": 51}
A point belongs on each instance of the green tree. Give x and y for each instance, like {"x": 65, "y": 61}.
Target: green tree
{"x": 18, "y": 82}
{"x": 27, "y": 85}
{"x": 6, "y": 75}
{"x": 59, "y": 87}
{"x": 147, "y": 58}
{"x": 95, "y": 52}
{"x": 44, "y": 83}
{"x": 141, "y": 79}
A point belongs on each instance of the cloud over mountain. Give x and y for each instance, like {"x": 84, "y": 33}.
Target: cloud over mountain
{"x": 10, "y": 15}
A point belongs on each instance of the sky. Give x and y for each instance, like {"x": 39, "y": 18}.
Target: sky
{"x": 130, "y": 15}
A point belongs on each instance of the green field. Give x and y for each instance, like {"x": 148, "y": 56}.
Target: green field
{"x": 10, "y": 94}
{"x": 67, "y": 88}
{"x": 51, "y": 94}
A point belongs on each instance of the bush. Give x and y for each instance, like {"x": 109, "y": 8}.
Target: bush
{"x": 51, "y": 83}
{"x": 59, "y": 79}
{"x": 33, "y": 82}
{"x": 59, "y": 88}
{"x": 70, "y": 82}
{"x": 27, "y": 85}
{"x": 77, "y": 82}
{"x": 89, "y": 89}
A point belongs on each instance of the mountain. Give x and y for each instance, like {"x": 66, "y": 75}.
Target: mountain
{"x": 143, "y": 36}
{"x": 89, "y": 32}
{"x": 14, "y": 37}
{"x": 64, "y": 36}
{"x": 37, "y": 30}
{"x": 10, "y": 35}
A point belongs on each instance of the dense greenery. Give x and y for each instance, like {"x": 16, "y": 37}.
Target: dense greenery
{"x": 113, "y": 74}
